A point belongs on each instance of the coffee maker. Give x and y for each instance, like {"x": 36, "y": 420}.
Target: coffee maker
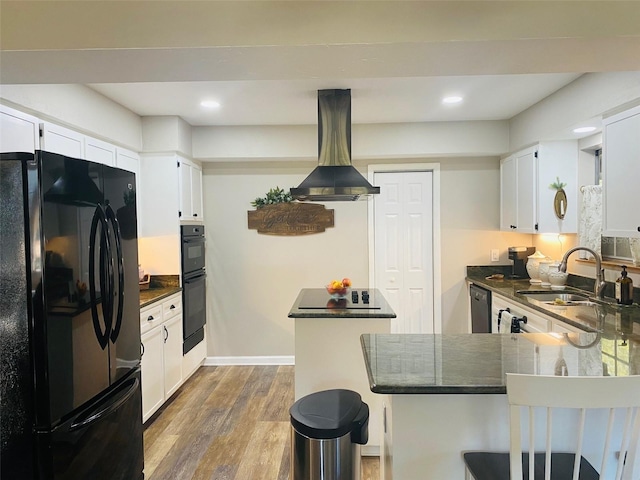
{"x": 519, "y": 257}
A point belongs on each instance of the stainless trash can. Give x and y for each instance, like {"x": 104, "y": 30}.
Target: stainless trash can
{"x": 327, "y": 429}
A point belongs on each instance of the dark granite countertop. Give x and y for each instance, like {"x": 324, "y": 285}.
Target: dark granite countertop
{"x": 601, "y": 316}
{"x": 160, "y": 286}
{"x": 151, "y": 295}
{"x": 476, "y": 363}
{"x": 340, "y": 309}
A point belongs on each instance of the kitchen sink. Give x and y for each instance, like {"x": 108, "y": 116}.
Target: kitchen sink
{"x": 557, "y": 299}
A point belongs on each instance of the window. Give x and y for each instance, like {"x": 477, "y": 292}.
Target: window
{"x": 615, "y": 356}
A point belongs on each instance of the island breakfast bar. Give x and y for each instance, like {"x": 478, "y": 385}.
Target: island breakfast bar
{"x": 327, "y": 347}
{"x": 444, "y": 394}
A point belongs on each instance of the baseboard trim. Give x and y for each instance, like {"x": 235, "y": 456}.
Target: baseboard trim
{"x": 256, "y": 360}
{"x": 370, "y": 451}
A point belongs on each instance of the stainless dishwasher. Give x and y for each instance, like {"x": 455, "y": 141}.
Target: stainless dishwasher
{"x": 480, "y": 309}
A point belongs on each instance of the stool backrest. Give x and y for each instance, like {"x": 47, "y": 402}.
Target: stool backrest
{"x": 617, "y": 395}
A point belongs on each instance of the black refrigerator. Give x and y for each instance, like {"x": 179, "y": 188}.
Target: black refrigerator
{"x": 70, "y": 404}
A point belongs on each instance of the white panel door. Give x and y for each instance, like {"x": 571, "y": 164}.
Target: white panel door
{"x": 152, "y": 369}
{"x": 186, "y": 211}
{"x": 526, "y": 169}
{"x": 403, "y": 230}
{"x": 508, "y": 195}
{"x": 621, "y": 169}
{"x": 172, "y": 355}
{"x": 19, "y": 132}
{"x": 57, "y": 139}
{"x": 196, "y": 193}
{"x": 99, "y": 151}
{"x": 128, "y": 160}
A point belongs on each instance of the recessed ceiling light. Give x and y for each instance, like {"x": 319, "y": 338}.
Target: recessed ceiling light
{"x": 209, "y": 104}
{"x": 452, "y": 99}
{"x": 584, "y": 129}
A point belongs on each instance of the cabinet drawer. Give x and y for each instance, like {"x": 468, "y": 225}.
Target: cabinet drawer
{"x": 150, "y": 317}
{"x": 171, "y": 307}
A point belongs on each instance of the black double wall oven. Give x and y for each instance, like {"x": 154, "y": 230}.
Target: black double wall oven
{"x": 193, "y": 285}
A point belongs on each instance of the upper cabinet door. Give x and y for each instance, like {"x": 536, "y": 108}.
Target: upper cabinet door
{"x": 508, "y": 199}
{"x": 99, "y": 151}
{"x": 190, "y": 191}
{"x": 621, "y": 174}
{"x": 185, "y": 190}
{"x": 526, "y": 163}
{"x": 127, "y": 160}
{"x": 526, "y": 199}
{"x": 517, "y": 192}
{"x": 196, "y": 192}
{"x": 19, "y": 132}
{"x": 57, "y": 139}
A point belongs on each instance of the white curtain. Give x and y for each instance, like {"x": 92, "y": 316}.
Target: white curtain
{"x": 590, "y": 224}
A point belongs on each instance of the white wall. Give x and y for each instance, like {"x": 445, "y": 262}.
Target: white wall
{"x": 369, "y": 141}
{"x": 79, "y": 108}
{"x": 585, "y": 99}
{"x": 253, "y": 279}
{"x": 166, "y": 134}
{"x": 470, "y": 228}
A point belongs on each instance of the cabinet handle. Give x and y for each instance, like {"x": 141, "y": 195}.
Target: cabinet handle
{"x": 172, "y": 307}
{"x": 639, "y": 229}
{"x": 149, "y": 318}
{"x": 195, "y": 214}
{"x": 141, "y": 349}
{"x": 166, "y": 334}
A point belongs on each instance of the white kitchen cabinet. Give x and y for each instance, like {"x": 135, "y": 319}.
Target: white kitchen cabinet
{"x": 537, "y": 322}
{"x": 99, "y": 151}
{"x": 172, "y": 355}
{"x": 152, "y": 375}
{"x": 127, "y": 160}
{"x": 190, "y": 190}
{"x": 527, "y": 201}
{"x": 57, "y": 139}
{"x": 158, "y": 209}
{"x": 130, "y": 161}
{"x": 621, "y": 174}
{"x": 517, "y": 187}
{"x": 19, "y": 132}
{"x": 161, "y": 337}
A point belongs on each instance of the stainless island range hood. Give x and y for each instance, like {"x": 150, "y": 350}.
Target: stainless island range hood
{"x": 334, "y": 179}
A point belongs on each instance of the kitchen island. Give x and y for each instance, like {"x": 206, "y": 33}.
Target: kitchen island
{"x": 327, "y": 353}
{"x": 445, "y": 394}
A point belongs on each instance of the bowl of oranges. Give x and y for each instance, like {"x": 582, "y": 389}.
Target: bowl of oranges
{"x": 339, "y": 288}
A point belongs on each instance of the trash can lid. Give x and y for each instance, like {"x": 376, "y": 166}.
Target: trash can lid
{"x": 326, "y": 414}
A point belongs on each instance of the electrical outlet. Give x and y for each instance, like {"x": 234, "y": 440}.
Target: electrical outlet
{"x": 495, "y": 255}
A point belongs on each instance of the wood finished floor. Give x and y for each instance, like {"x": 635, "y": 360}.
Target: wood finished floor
{"x": 227, "y": 423}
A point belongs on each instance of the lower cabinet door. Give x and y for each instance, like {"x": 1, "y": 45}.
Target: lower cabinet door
{"x": 152, "y": 366}
{"x": 172, "y": 355}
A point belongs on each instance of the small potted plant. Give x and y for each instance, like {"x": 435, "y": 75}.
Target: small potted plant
{"x": 273, "y": 196}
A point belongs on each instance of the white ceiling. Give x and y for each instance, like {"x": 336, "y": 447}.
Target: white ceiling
{"x": 264, "y": 60}
{"x": 374, "y": 100}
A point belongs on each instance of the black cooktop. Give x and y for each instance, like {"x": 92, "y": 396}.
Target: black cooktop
{"x": 319, "y": 299}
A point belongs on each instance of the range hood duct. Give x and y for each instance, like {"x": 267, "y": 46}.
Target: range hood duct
{"x": 334, "y": 179}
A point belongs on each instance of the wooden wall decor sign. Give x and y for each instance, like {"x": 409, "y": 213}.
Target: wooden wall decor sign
{"x": 291, "y": 219}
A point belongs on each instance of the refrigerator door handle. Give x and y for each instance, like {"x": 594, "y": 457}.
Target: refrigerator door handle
{"x": 111, "y": 217}
{"x": 109, "y": 276}
{"x": 92, "y": 416}
{"x": 103, "y": 338}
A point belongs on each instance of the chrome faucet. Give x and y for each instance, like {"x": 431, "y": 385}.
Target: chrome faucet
{"x": 598, "y": 289}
